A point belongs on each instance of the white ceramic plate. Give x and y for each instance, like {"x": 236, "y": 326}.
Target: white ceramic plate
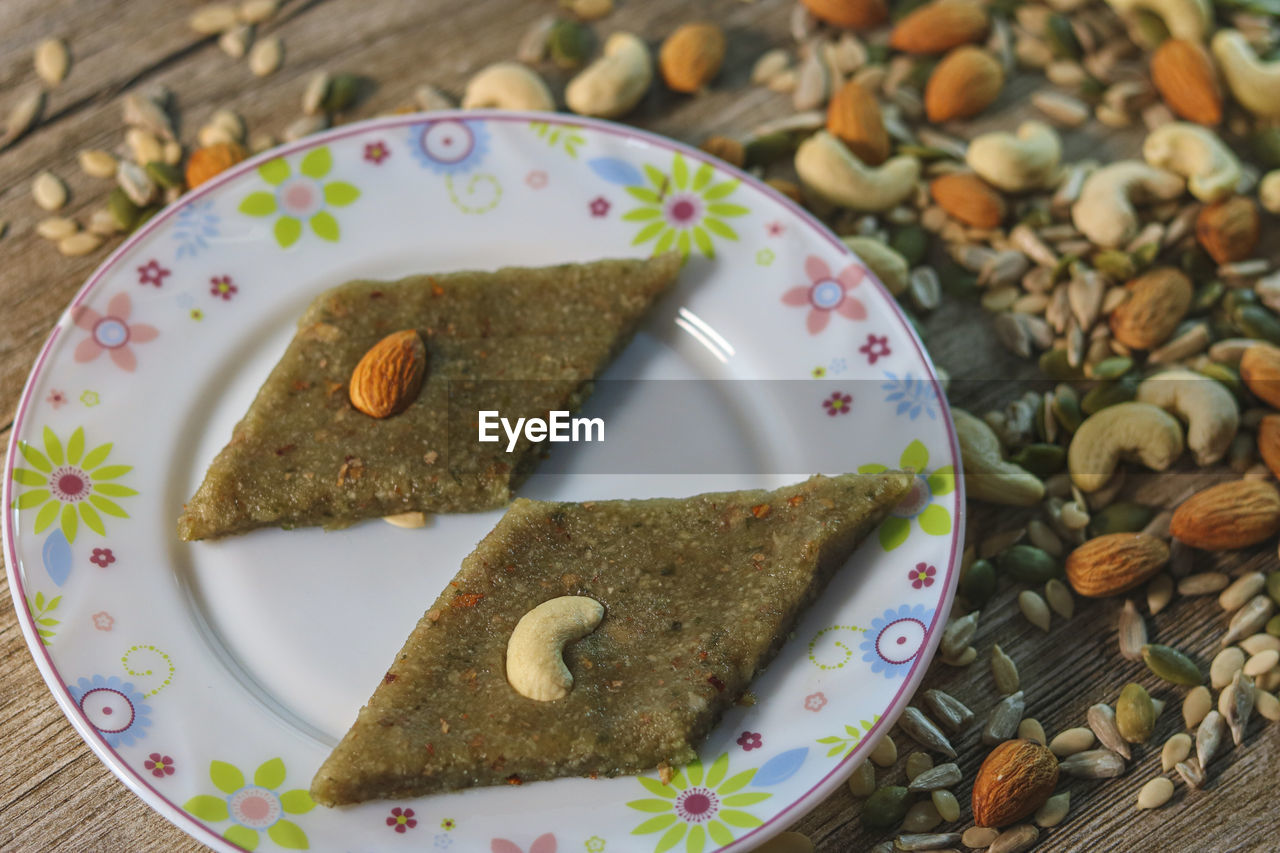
{"x": 213, "y": 678}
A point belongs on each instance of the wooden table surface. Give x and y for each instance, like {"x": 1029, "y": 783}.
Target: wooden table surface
{"x": 55, "y": 795}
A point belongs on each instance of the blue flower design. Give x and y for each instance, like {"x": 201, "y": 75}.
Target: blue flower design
{"x": 114, "y": 707}
{"x": 895, "y": 639}
{"x": 838, "y": 365}
{"x": 195, "y": 222}
{"x": 449, "y": 146}
{"x": 442, "y": 841}
{"x": 912, "y": 395}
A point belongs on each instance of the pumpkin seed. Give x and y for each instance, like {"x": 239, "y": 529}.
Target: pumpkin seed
{"x": 52, "y": 61}
{"x": 1028, "y": 564}
{"x": 1155, "y": 793}
{"x": 1035, "y": 609}
{"x": 1015, "y": 840}
{"x": 1170, "y": 664}
{"x": 885, "y": 808}
{"x": 1273, "y": 626}
{"x": 1121, "y": 517}
{"x": 1102, "y": 720}
{"x": 1112, "y": 368}
{"x": 1054, "y": 810}
{"x": 1135, "y": 715}
{"x": 56, "y": 228}
{"x": 924, "y": 732}
{"x": 1132, "y": 632}
{"x": 165, "y": 175}
{"x": 266, "y": 56}
{"x": 920, "y": 818}
{"x": 1258, "y": 323}
{"x": 49, "y": 192}
{"x": 1159, "y": 593}
{"x": 1203, "y": 583}
{"x": 947, "y": 805}
{"x": 1005, "y": 716}
{"x": 953, "y": 713}
{"x": 885, "y": 752}
{"x": 1175, "y": 749}
{"x": 122, "y": 209}
{"x": 978, "y": 583}
{"x": 1003, "y": 670}
{"x": 1043, "y": 460}
{"x": 81, "y": 243}
{"x": 570, "y": 44}
{"x": 862, "y": 782}
{"x": 1092, "y": 764}
{"x": 1071, "y": 741}
{"x": 787, "y": 842}
{"x": 1107, "y": 394}
{"x": 343, "y": 92}
{"x": 1057, "y": 365}
{"x": 935, "y": 778}
{"x": 1224, "y": 667}
{"x": 958, "y": 632}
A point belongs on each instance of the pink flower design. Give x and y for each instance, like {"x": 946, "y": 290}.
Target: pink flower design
{"x": 402, "y": 819}
{"x": 375, "y": 153}
{"x": 876, "y": 347}
{"x": 697, "y": 805}
{"x": 750, "y": 741}
{"x": 599, "y": 206}
{"x": 922, "y": 575}
{"x": 111, "y": 333}
{"x": 102, "y": 557}
{"x": 102, "y": 620}
{"x": 837, "y": 404}
{"x": 221, "y": 286}
{"x": 775, "y": 229}
{"x": 56, "y": 398}
{"x": 159, "y": 765}
{"x": 815, "y": 701}
{"x": 826, "y": 293}
{"x": 537, "y": 179}
{"x": 545, "y": 843}
{"x": 152, "y": 273}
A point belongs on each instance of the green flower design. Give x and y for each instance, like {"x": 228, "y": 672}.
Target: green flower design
{"x": 70, "y": 485}
{"x": 852, "y": 737}
{"x": 300, "y": 197}
{"x": 253, "y": 808}
{"x": 40, "y": 609}
{"x": 565, "y": 136}
{"x": 693, "y": 808}
{"x": 934, "y": 519}
{"x": 683, "y": 210}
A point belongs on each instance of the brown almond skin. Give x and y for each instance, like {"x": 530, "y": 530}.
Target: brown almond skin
{"x": 1158, "y": 300}
{"x": 1115, "y": 563}
{"x": 1228, "y": 229}
{"x": 967, "y": 197}
{"x": 1269, "y": 442}
{"x": 850, "y": 14}
{"x": 389, "y": 376}
{"x": 691, "y": 57}
{"x": 964, "y": 83}
{"x": 205, "y": 163}
{"x": 1184, "y": 74}
{"x": 1014, "y": 780}
{"x": 1228, "y": 516}
{"x": 939, "y": 26}
{"x": 1260, "y": 370}
{"x": 854, "y": 116}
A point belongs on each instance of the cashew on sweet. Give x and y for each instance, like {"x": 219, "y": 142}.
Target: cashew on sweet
{"x": 834, "y": 173}
{"x": 1206, "y": 405}
{"x": 613, "y": 84}
{"x": 1104, "y": 212}
{"x": 1185, "y": 19}
{"x": 889, "y": 266}
{"x": 1016, "y": 163}
{"x": 1138, "y": 431}
{"x": 1254, "y": 83}
{"x": 508, "y": 86}
{"x": 535, "y": 652}
{"x": 987, "y": 476}
{"x": 1197, "y": 154}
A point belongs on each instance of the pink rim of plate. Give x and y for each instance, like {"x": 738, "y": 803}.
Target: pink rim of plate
{"x": 180, "y": 818}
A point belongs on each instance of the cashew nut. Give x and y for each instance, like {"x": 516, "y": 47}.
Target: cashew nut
{"x": 1104, "y": 212}
{"x": 834, "y": 173}
{"x": 1185, "y": 19}
{"x": 1254, "y": 83}
{"x": 535, "y": 652}
{"x": 1126, "y": 430}
{"x": 1269, "y": 191}
{"x": 613, "y": 84}
{"x": 1197, "y": 154}
{"x": 508, "y": 86}
{"x": 1206, "y": 405}
{"x": 889, "y": 266}
{"x": 1027, "y": 161}
{"x": 987, "y": 476}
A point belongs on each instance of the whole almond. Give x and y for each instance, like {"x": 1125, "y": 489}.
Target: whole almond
{"x": 967, "y": 197}
{"x": 1269, "y": 442}
{"x": 854, "y": 116}
{"x": 1158, "y": 300}
{"x": 1115, "y": 563}
{"x": 850, "y": 14}
{"x": 964, "y": 83}
{"x": 1184, "y": 74}
{"x": 204, "y": 163}
{"x": 389, "y": 376}
{"x": 1014, "y": 780}
{"x": 1260, "y": 370}
{"x": 691, "y": 56}
{"x": 1228, "y": 229}
{"x": 939, "y": 26}
{"x": 1229, "y": 515}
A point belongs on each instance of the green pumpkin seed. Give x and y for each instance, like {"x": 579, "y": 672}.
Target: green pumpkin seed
{"x": 1037, "y": 218}
{"x": 1121, "y": 517}
{"x": 978, "y": 584}
{"x": 123, "y": 210}
{"x": 926, "y": 153}
{"x": 1227, "y": 375}
{"x": 910, "y": 242}
{"x": 1273, "y": 626}
{"x": 1222, "y": 326}
{"x": 1207, "y": 296}
{"x": 1028, "y": 564}
{"x": 1066, "y": 408}
{"x": 1237, "y": 298}
{"x": 1243, "y": 453}
{"x": 1112, "y": 368}
{"x": 1258, "y": 323}
{"x": 1115, "y": 264}
{"x": 1172, "y": 665}
{"x": 1054, "y": 364}
{"x": 763, "y": 150}
{"x": 1043, "y": 460}
{"x": 165, "y": 175}
{"x": 570, "y": 44}
{"x": 1273, "y": 586}
{"x": 885, "y": 808}
{"x": 343, "y": 91}
{"x": 1145, "y": 254}
{"x": 1197, "y": 264}
{"x": 1063, "y": 268}
{"x": 1109, "y": 394}
{"x": 1266, "y": 146}
{"x": 1061, "y": 37}
{"x": 1150, "y": 28}
{"x": 1135, "y": 714}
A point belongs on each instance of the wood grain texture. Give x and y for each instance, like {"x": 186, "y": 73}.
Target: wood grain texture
{"x": 55, "y": 795}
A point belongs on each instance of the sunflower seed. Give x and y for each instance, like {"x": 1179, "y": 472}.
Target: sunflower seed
{"x": 213, "y": 18}
{"x": 1191, "y": 772}
{"x": 52, "y": 61}
{"x": 49, "y": 192}
{"x": 952, "y": 713}
{"x": 1062, "y": 110}
{"x": 265, "y": 56}
{"x": 1034, "y": 608}
{"x": 921, "y": 841}
{"x": 143, "y": 111}
{"x": 1003, "y": 670}
{"x": 1241, "y": 590}
{"x": 965, "y": 658}
{"x": 144, "y": 146}
{"x": 769, "y": 65}
{"x": 1159, "y": 593}
{"x": 1132, "y": 631}
{"x": 256, "y": 11}
{"x": 946, "y": 804}
{"x": 135, "y": 182}
{"x": 1175, "y": 749}
{"x": 1071, "y": 741}
{"x": 1092, "y": 764}
{"x": 1209, "y": 738}
{"x": 1204, "y": 583}
{"x": 428, "y": 98}
{"x": 813, "y": 83}
{"x": 942, "y": 776}
{"x": 305, "y": 126}
{"x": 978, "y": 837}
{"x": 958, "y": 633}
{"x": 1054, "y": 810}
{"x": 924, "y": 732}
{"x": 56, "y": 228}
{"x": 917, "y": 763}
{"x": 1241, "y": 708}
{"x": 78, "y": 244}
{"x": 1155, "y": 793}
{"x": 862, "y": 782}
{"x": 921, "y": 817}
{"x": 1249, "y": 619}
{"x": 1003, "y": 722}
{"x": 884, "y": 847}
{"x": 97, "y": 163}
{"x": 317, "y": 88}
{"x": 924, "y": 288}
{"x": 1267, "y": 705}
{"x": 1015, "y": 840}
{"x": 1102, "y": 719}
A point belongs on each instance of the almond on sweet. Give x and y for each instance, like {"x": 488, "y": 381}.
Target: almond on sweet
{"x": 939, "y": 26}
{"x": 854, "y": 116}
{"x": 1228, "y": 516}
{"x": 967, "y": 198}
{"x": 389, "y": 376}
{"x": 964, "y": 83}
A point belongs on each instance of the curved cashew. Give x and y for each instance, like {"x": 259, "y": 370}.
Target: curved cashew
{"x": 614, "y": 83}
{"x": 1104, "y": 212}
{"x": 987, "y": 476}
{"x": 889, "y": 266}
{"x": 1027, "y": 161}
{"x": 1254, "y": 83}
{"x": 833, "y": 172}
{"x": 535, "y": 652}
{"x": 1269, "y": 191}
{"x": 1206, "y": 405}
{"x": 1125, "y": 430}
{"x": 1185, "y": 19}
{"x": 1197, "y": 154}
{"x": 508, "y": 86}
